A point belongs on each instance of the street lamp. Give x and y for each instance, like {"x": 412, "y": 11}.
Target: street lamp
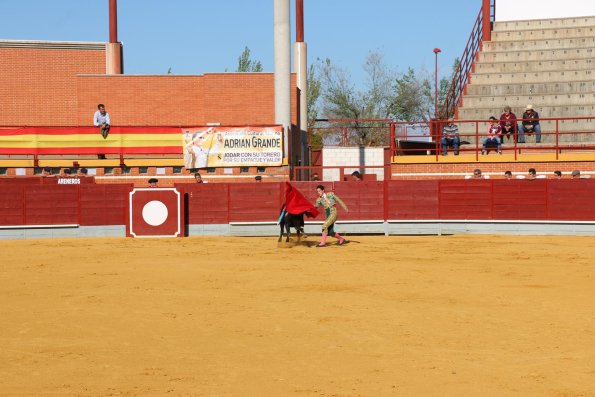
{"x": 436, "y": 51}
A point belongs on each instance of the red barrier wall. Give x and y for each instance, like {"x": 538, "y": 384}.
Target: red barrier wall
{"x": 51, "y": 205}
{"x": 415, "y": 200}
{"x": 94, "y": 205}
{"x": 255, "y": 202}
{"x": 86, "y": 205}
{"x": 103, "y": 204}
{"x": 12, "y": 205}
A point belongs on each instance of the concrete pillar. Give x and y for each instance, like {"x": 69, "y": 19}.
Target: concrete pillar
{"x": 282, "y": 44}
{"x": 300, "y": 57}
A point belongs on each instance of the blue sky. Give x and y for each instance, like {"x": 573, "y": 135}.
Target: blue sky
{"x": 202, "y": 36}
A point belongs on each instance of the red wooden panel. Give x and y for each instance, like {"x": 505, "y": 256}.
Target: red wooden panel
{"x": 104, "y": 204}
{"x": 21, "y": 180}
{"x": 207, "y": 203}
{"x": 415, "y": 200}
{"x": 571, "y": 199}
{"x": 520, "y": 199}
{"x": 465, "y": 199}
{"x": 365, "y": 200}
{"x": 11, "y": 205}
{"x": 255, "y": 202}
{"x": 51, "y": 204}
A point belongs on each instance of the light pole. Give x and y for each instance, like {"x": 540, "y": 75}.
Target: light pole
{"x": 436, "y": 51}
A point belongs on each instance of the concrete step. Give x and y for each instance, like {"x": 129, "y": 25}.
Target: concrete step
{"x": 532, "y": 55}
{"x": 535, "y": 66}
{"x": 522, "y": 100}
{"x": 587, "y": 87}
{"x": 531, "y": 45}
{"x": 482, "y": 113}
{"x": 531, "y": 77}
{"x": 534, "y": 24}
{"x": 544, "y": 34}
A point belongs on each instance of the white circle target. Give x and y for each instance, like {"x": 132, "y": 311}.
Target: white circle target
{"x": 155, "y": 213}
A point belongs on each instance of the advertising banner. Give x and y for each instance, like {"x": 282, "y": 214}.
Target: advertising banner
{"x": 232, "y": 146}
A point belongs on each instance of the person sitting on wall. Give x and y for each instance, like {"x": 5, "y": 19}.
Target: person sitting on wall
{"x": 102, "y": 120}
{"x": 356, "y": 176}
{"x": 532, "y": 174}
{"x": 509, "y": 125}
{"x": 494, "y": 136}
{"x": 530, "y": 125}
{"x": 508, "y": 175}
{"x": 450, "y": 138}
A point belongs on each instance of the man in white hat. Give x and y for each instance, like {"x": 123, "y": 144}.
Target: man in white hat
{"x": 530, "y": 125}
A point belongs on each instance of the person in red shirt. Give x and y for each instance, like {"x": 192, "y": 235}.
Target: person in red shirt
{"x": 508, "y": 122}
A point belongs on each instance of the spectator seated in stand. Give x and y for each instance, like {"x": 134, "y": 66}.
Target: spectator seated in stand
{"x": 493, "y": 141}
{"x": 530, "y": 125}
{"x": 508, "y": 122}
{"x": 450, "y": 138}
{"x": 558, "y": 174}
{"x": 508, "y": 175}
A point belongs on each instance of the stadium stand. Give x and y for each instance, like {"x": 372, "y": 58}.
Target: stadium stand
{"x": 546, "y": 63}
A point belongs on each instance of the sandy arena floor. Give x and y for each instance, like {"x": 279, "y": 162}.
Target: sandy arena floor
{"x": 381, "y": 316}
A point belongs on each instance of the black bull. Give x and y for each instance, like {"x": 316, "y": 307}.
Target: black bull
{"x": 289, "y": 221}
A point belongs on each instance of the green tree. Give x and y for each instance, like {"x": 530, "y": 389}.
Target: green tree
{"x": 245, "y": 64}
{"x": 341, "y": 100}
{"x": 412, "y": 97}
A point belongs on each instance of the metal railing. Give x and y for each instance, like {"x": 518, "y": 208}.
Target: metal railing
{"x": 558, "y": 135}
{"x": 472, "y": 133}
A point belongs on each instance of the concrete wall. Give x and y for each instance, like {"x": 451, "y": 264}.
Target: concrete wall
{"x": 510, "y": 10}
{"x": 348, "y": 156}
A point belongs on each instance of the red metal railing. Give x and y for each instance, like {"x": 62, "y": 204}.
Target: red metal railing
{"x": 473, "y": 132}
{"x": 481, "y": 32}
{"x": 424, "y": 138}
